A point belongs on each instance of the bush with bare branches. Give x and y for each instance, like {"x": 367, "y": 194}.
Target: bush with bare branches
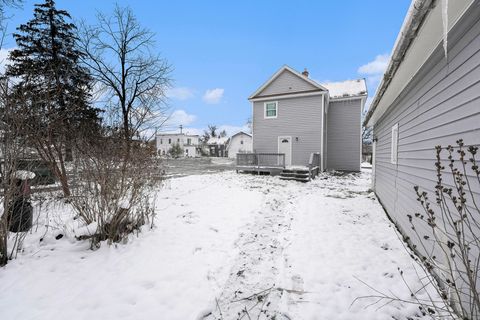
{"x": 117, "y": 197}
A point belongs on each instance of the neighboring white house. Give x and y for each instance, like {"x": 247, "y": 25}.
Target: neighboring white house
{"x": 240, "y": 142}
{"x": 189, "y": 143}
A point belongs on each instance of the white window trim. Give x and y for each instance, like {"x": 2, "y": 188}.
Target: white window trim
{"x": 394, "y": 145}
{"x": 265, "y": 110}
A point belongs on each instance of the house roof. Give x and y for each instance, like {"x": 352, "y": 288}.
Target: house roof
{"x": 336, "y": 90}
{"x": 218, "y": 140}
{"x": 422, "y": 31}
{"x": 348, "y": 88}
{"x": 278, "y": 73}
{"x": 241, "y": 132}
{"x": 176, "y": 134}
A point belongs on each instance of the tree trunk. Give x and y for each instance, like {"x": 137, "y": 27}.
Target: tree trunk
{"x": 3, "y": 241}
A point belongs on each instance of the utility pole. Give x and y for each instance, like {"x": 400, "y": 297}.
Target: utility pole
{"x": 181, "y": 127}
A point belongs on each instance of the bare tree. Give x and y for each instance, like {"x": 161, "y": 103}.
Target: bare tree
{"x": 367, "y": 132}
{"x": 117, "y": 173}
{"x": 132, "y": 76}
{"x": 249, "y": 124}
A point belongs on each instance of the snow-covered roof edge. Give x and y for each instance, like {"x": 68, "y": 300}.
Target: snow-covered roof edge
{"x": 417, "y": 12}
{"x": 425, "y": 27}
{"x": 176, "y": 134}
{"x": 218, "y": 140}
{"x": 346, "y": 89}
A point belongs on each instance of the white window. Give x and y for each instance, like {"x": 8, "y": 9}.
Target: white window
{"x": 161, "y": 141}
{"x": 394, "y": 150}
{"x": 271, "y": 109}
{"x": 241, "y": 141}
{"x": 189, "y": 141}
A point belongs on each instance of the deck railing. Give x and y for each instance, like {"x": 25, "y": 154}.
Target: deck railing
{"x": 259, "y": 160}
{"x": 314, "y": 164}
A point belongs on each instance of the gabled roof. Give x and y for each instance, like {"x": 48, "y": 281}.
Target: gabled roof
{"x": 241, "y": 132}
{"x": 278, "y": 73}
{"x": 166, "y": 133}
{"x": 345, "y": 89}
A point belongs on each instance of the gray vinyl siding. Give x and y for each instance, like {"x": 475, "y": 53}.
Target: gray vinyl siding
{"x": 343, "y": 135}
{"x": 299, "y": 117}
{"x": 439, "y": 106}
{"x": 287, "y": 82}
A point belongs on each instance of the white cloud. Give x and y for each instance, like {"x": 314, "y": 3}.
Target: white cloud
{"x": 213, "y": 96}
{"x": 233, "y": 129}
{"x": 373, "y": 72}
{"x": 180, "y": 93}
{"x": 180, "y": 117}
{"x": 375, "y": 67}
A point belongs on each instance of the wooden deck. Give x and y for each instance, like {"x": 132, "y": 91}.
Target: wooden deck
{"x": 274, "y": 164}
{"x": 261, "y": 163}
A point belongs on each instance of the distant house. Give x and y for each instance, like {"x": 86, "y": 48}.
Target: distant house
{"x": 297, "y": 116}
{"x": 240, "y": 142}
{"x": 429, "y": 96}
{"x": 217, "y": 146}
{"x": 188, "y": 143}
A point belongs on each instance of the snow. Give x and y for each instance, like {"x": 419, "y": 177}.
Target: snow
{"x": 218, "y": 239}
{"x": 24, "y": 175}
{"x": 218, "y": 140}
{"x": 222, "y": 161}
{"x": 366, "y": 165}
{"x": 346, "y": 88}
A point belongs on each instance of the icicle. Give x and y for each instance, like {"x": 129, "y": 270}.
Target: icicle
{"x": 445, "y": 26}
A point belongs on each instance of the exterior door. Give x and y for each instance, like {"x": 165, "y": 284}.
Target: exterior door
{"x": 285, "y": 146}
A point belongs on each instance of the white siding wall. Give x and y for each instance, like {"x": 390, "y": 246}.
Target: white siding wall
{"x": 163, "y": 145}
{"x": 439, "y": 106}
{"x": 297, "y": 117}
{"x": 235, "y": 146}
{"x": 344, "y": 136}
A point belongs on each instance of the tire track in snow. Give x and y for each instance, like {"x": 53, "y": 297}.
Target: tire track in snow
{"x": 252, "y": 289}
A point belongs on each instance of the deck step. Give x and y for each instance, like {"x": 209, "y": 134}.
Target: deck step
{"x": 295, "y": 174}
{"x": 295, "y": 179}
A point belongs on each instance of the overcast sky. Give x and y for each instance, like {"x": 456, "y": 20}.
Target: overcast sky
{"x": 222, "y": 51}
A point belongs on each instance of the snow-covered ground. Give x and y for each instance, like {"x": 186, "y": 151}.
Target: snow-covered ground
{"x": 225, "y": 246}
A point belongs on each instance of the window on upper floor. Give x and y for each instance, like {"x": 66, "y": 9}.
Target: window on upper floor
{"x": 394, "y": 146}
{"x": 161, "y": 141}
{"x": 189, "y": 141}
{"x": 271, "y": 109}
{"x": 241, "y": 141}
{"x": 169, "y": 141}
